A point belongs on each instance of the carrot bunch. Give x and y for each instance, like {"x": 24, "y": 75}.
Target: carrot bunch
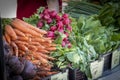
{"x": 30, "y": 43}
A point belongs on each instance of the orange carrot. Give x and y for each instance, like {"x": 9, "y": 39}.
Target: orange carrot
{"x": 22, "y": 38}
{"x": 40, "y": 47}
{"x": 32, "y": 27}
{"x": 32, "y": 48}
{"x": 21, "y": 42}
{"x": 43, "y": 51}
{"x": 21, "y": 52}
{"x": 10, "y": 32}
{"x": 38, "y": 39}
{"x": 35, "y": 61}
{"x": 45, "y": 56}
{"x": 37, "y": 56}
{"x": 7, "y": 37}
{"x": 53, "y": 45}
{"x": 35, "y": 43}
{"x": 27, "y": 57}
{"x": 24, "y": 28}
{"x": 45, "y": 44}
{"x": 51, "y": 48}
{"x": 15, "y": 48}
{"x": 19, "y": 33}
{"x": 23, "y": 47}
{"x": 28, "y": 35}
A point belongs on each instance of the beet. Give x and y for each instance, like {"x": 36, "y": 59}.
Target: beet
{"x": 18, "y": 77}
{"x": 29, "y": 70}
{"x": 15, "y": 65}
{"x": 7, "y": 51}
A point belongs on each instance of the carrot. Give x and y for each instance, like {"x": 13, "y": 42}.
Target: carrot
{"x": 32, "y": 48}
{"x": 37, "y": 56}
{"x": 21, "y": 42}
{"x": 15, "y": 48}
{"x": 28, "y": 35}
{"x": 43, "y": 51}
{"x": 21, "y": 52}
{"x": 53, "y": 45}
{"x": 27, "y": 57}
{"x": 36, "y": 78}
{"x": 10, "y": 32}
{"x": 51, "y": 48}
{"x": 19, "y": 33}
{"x": 42, "y": 73}
{"x": 32, "y": 27}
{"x": 35, "y": 61}
{"x": 22, "y": 38}
{"x": 42, "y": 68}
{"x": 23, "y": 47}
{"x": 37, "y": 40}
{"x": 45, "y": 44}
{"x": 29, "y": 39}
{"x": 24, "y": 28}
{"x": 41, "y": 47}
{"x": 7, "y": 37}
{"x": 35, "y": 43}
{"x": 45, "y": 56}
{"x": 50, "y": 73}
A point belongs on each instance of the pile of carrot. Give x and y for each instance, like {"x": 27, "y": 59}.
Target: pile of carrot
{"x": 30, "y": 42}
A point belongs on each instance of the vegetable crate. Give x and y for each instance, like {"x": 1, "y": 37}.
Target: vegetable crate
{"x": 62, "y": 75}
{"x": 119, "y": 54}
{"x": 76, "y": 74}
{"x": 107, "y": 61}
{"x": 96, "y": 68}
{"x": 115, "y": 58}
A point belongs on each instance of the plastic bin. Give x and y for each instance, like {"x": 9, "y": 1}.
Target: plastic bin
{"x": 76, "y": 74}
{"x": 107, "y": 61}
{"x": 62, "y": 75}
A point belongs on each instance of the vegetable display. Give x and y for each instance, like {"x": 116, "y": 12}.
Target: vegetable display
{"x": 81, "y": 8}
{"x": 58, "y": 26}
{"x": 34, "y": 45}
{"x": 31, "y": 44}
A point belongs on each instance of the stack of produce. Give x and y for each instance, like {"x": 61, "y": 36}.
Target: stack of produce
{"x": 17, "y": 68}
{"x": 30, "y": 43}
{"x": 80, "y": 7}
{"x": 57, "y": 25}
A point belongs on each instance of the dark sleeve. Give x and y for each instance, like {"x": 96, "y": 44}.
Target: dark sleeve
{"x": 26, "y": 8}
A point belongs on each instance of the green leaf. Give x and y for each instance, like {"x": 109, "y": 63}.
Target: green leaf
{"x": 62, "y": 58}
{"x": 73, "y": 57}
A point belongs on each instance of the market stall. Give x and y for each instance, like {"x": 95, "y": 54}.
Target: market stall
{"x": 80, "y": 43}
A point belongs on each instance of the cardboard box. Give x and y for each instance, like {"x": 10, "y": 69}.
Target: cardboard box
{"x": 96, "y": 68}
{"x": 115, "y": 58}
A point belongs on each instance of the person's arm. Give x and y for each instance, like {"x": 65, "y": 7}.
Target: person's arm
{"x": 54, "y": 4}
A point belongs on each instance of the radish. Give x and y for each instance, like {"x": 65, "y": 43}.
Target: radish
{"x": 66, "y": 34}
{"x": 53, "y": 28}
{"x": 65, "y": 15}
{"x": 40, "y": 24}
{"x": 58, "y": 18}
{"x": 46, "y": 11}
{"x": 46, "y": 16}
{"x": 69, "y": 28}
{"x": 69, "y": 45}
{"x": 53, "y": 14}
{"x": 50, "y": 34}
{"x": 63, "y": 44}
{"x": 49, "y": 21}
{"x": 66, "y": 21}
{"x": 59, "y": 24}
